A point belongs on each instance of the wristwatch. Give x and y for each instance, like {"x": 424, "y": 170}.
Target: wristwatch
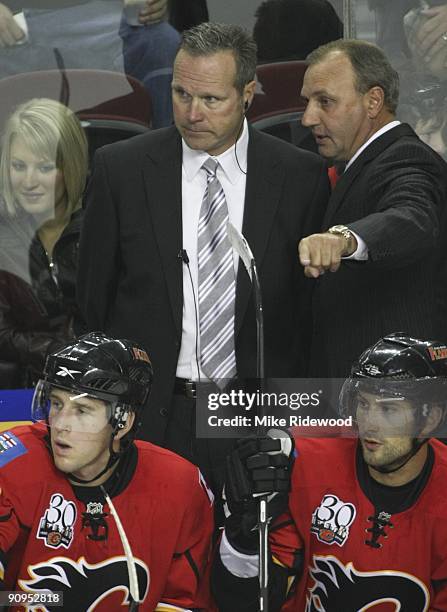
{"x": 342, "y": 230}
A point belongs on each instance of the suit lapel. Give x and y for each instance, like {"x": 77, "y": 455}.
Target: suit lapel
{"x": 163, "y": 178}
{"x": 262, "y": 193}
{"x": 370, "y": 153}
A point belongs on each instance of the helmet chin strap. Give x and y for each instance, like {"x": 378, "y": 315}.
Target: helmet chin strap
{"x": 417, "y": 444}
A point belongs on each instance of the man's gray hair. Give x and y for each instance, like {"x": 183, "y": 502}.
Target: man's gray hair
{"x": 209, "y": 38}
{"x": 370, "y": 64}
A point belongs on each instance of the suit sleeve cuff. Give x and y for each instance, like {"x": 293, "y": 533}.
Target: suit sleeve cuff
{"x": 361, "y": 252}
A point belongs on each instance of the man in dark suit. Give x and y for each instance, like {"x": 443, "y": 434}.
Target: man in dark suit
{"x": 383, "y": 234}
{"x": 138, "y": 272}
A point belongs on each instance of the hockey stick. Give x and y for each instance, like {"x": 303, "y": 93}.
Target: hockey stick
{"x": 241, "y": 247}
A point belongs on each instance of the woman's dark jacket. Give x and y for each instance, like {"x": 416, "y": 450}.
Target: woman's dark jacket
{"x": 37, "y": 301}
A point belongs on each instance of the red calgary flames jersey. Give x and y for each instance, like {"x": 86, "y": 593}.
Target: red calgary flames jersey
{"x": 165, "y": 509}
{"x": 407, "y": 572}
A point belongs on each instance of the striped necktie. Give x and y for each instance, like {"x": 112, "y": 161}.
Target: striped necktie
{"x": 217, "y": 285}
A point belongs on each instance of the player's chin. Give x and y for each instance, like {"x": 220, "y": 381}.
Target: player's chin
{"x": 62, "y": 464}
{"x": 373, "y": 456}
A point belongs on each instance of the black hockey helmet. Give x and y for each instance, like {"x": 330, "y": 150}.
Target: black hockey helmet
{"x": 399, "y": 366}
{"x": 116, "y": 371}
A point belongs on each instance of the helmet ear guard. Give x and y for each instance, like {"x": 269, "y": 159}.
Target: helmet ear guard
{"x": 119, "y": 416}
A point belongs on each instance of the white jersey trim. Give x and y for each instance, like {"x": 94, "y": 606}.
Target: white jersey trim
{"x": 164, "y": 607}
{"x": 237, "y": 563}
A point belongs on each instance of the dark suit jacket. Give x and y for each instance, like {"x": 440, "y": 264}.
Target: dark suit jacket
{"x": 394, "y": 197}
{"x": 130, "y": 275}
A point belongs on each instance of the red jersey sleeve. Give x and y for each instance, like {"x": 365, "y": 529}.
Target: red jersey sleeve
{"x": 183, "y": 589}
{"x": 9, "y": 531}
{"x": 18, "y": 489}
{"x": 439, "y": 576}
{"x": 285, "y": 542}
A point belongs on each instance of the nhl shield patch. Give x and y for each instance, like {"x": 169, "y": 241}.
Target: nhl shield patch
{"x": 331, "y": 520}
{"x": 10, "y": 447}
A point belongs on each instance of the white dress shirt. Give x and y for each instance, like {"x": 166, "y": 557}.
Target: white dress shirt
{"x": 233, "y": 182}
{"x": 383, "y": 130}
{"x": 361, "y": 253}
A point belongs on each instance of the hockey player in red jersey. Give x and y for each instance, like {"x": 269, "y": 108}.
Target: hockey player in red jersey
{"x": 69, "y": 480}
{"x": 367, "y": 518}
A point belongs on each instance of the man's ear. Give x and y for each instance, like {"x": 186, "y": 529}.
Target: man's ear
{"x": 375, "y": 101}
{"x": 248, "y": 93}
{"x": 433, "y": 420}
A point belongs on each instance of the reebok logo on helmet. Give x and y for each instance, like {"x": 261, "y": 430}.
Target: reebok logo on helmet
{"x": 66, "y": 372}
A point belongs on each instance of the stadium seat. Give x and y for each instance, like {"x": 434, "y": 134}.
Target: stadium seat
{"x": 278, "y": 89}
{"x": 277, "y": 107}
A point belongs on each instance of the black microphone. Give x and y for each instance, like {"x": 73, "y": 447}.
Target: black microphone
{"x": 245, "y": 109}
{"x": 183, "y": 255}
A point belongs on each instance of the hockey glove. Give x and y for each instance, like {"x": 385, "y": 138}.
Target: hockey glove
{"x": 257, "y": 466}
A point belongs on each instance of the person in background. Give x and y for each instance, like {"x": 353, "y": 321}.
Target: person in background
{"x": 96, "y": 34}
{"x": 413, "y": 33}
{"x": 43, "y": 170}
{"x": 287, "y": 30}
{"x": 426, "y": 34}
{"x": 291, "y": 29}
{"x": 413, "y": 29}
{"x": 185, "y": 14}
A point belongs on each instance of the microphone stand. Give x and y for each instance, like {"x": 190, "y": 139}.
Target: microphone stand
{"x": 240, "y": 245}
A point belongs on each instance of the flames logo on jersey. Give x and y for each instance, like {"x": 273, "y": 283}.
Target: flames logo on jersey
{"x": 82, "y": 583}
{"x": 340, "y": 587}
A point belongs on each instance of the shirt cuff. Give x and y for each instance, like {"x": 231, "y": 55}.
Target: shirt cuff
{"x": 361, "y": 252}
{"x": 237, "y": 563}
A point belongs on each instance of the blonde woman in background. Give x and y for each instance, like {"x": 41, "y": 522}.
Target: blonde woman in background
{"x": 43, "y": 170}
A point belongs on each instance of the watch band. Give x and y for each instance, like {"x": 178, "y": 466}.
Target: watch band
{"x": 342, "y": 230}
